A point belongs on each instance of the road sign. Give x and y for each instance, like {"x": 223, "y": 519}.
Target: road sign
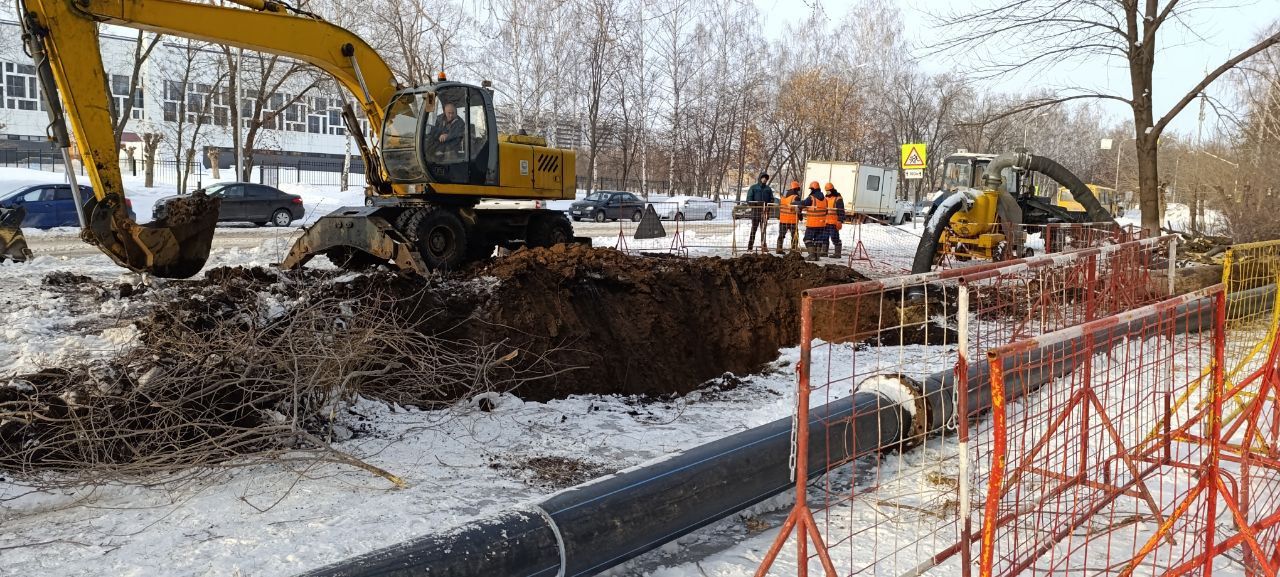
{"x": 914, "y": 156}
{"x": 914, "y": 173}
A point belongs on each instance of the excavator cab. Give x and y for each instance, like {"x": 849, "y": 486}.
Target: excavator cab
{"x": 445, "y": 133}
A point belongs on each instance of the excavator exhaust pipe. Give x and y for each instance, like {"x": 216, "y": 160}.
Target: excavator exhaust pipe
{"x": 13, "y": 246}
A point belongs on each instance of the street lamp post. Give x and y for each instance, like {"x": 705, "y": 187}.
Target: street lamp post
{"x": 1107, "y": 143}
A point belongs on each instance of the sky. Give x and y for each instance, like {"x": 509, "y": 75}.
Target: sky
{"x": 1183, "y": 56}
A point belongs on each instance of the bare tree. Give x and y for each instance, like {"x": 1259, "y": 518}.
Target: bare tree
{"x": 1070, "y": 32}
{"x": 273, "y": 84}
{"x": 122, "y": 108}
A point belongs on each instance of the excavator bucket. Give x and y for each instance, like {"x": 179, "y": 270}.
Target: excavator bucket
{"x": 13, "y": 246}
{"x": 174, "y": 246}
{"x": 355, "y": 236}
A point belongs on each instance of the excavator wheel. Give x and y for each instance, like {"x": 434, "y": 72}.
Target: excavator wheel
{"x": 549, "y": 230}
{"x": 442, "y": 240}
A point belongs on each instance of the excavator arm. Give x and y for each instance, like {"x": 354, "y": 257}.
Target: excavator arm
{"x": 62, "y": 37}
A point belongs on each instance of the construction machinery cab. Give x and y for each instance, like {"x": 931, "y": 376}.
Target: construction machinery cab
{"x": 441, "y": 133}
{"x": 967, "y": 169}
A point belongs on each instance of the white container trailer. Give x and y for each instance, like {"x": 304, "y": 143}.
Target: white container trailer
{"x": 867, "y": 190}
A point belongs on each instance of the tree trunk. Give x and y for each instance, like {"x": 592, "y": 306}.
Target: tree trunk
{"x": 1149, "y": 185}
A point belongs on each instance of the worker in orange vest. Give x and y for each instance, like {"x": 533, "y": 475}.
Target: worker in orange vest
{"x": 815, "y": 221}
{"x": 835, "y": 219}
{"x": 789, "y": 216}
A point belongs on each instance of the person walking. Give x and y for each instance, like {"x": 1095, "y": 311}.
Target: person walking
{"x": 815, "y": 221}
{"x": 759, "y": 196}
{"x": 835, "y": 219}
{"x": 789, "y": 216}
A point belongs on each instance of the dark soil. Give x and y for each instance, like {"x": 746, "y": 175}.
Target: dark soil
{"x": 625, "y": 324}
{"x": 642, "y": 325}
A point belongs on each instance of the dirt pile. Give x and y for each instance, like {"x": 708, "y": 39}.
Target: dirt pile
{"x": 622, "y": 324}
{"x": 645, "y": 325}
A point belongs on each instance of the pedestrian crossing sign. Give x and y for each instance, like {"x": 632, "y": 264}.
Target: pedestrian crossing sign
{"x": 913, "y": 156}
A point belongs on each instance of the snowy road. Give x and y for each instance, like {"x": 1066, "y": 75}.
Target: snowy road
{"x": 67, "y": 244}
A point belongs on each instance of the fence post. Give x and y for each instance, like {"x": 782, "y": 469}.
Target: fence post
{"x": 961, "y": 391}
{"x": 1173, "y": 261}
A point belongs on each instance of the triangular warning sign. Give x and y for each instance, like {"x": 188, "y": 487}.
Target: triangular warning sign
{"x": 650, "y": 225}
{"x": 913, "y": 158}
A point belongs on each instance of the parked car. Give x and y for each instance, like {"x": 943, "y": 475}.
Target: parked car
{"x": 687, "y": 207}
{"x": 248, "y": 202}
{"x": 608, "y": 204}
{"x": 50, "y": 205}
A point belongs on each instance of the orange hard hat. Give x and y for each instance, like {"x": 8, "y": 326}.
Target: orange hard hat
{"x": 829, "y": 186}
{"x": 795, "y": 185}
{"x": 813, "y": 184}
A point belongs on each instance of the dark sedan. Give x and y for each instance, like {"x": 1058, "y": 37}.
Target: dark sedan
{"x": 608, "y": 205}
{"x": 248, "y": 202}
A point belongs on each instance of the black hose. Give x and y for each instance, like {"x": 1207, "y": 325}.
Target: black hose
{"x": 933, "y": 228}
{"x": 1093, "y": 209}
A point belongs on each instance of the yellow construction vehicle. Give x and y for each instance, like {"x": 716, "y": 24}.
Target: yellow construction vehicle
{"x": 987, "y": 200}
{"x": 438, "y": 149}
{"x": 1106, "y": 197}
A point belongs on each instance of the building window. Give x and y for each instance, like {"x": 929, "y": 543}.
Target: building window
{"x": 315, "y": 124}
{"x": 170, "y": 111}
{"x": 20, "y": 87}
{"x": 120, "y": 93}
{"x": 336, "y": 126}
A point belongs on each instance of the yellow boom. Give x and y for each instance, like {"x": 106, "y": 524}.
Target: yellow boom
{"x": 62, "y": 36}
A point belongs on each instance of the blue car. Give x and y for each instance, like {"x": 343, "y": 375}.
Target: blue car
{"x": 49, "y": 205}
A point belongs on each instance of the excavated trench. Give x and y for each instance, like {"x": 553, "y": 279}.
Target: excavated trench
{"x": 615, "y": 324}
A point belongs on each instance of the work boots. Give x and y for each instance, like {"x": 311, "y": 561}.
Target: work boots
{"x": 836, "y": 254}
{"x": 823, "y": 251}
{"x": 779, "y": 248}
{"x": 813, "y": 253}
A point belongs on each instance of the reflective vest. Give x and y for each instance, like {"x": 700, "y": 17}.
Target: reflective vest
{"x": 788, "y": 212}
{"x": 833, "y": 214}
{"x": 815, "y": 215}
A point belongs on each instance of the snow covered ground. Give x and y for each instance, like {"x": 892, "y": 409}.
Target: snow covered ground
{"x": 460, "y": 463}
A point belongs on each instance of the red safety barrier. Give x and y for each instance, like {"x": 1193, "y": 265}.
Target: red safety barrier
{"x": 898, "y": 496}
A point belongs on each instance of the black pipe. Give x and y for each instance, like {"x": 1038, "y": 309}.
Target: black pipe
{"x": 611, "y": 520}
{"x": 603, "y": 523}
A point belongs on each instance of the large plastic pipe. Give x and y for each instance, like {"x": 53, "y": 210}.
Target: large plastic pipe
{"x": 600, "y": 524}
{"x": 589, "y": 528}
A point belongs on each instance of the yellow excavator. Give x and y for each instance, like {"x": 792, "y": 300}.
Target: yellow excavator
{"x": 437, "y": 153}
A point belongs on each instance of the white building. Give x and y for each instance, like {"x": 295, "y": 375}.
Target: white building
{"x": 309, "y": 131}
{"x": 309, "y": 128}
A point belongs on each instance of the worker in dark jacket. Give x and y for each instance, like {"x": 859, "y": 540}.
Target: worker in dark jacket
{"x": 815, "y": 220}
{"x": 835, "y": 219}
{"x": 758, "y": 197}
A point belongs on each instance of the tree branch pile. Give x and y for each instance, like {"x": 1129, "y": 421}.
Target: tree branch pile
{"x": 249, "y": 377}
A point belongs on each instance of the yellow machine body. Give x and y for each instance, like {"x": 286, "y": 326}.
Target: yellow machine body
{"x": 63, "y": 37}
{"x": 974, "y": 233}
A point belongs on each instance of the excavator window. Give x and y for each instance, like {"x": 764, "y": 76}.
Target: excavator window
{"x": 400, "y": 138}
{"x": 959, "y": 174}
{"x": 457, "y": 143}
